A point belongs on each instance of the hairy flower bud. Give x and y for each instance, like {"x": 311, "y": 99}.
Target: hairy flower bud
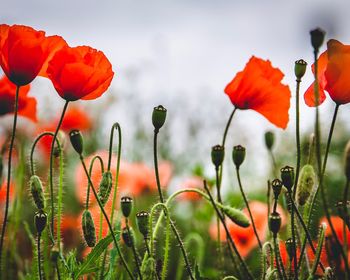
{"x": 76, "y": 140}
{"x": 300, "y": 69}
{"x": 37, "y": 192}
{"x": 105, "y": 187}
{"x": 142, "y": 219}
{"x": 126, "y": 205}
{"x": 306, "y": 183}
{"x": 158, "y": 117}
{"x": 269, "y": 139}
{"x": 217, "y": 155}
{"x": 287, "y": 177}
{"x": 89, "y": 231}
{"x": 317, "y": 38}
{"x": 238, "y": 155}
{"x": 40, "y": 221}
{"x": 236, "y": 216}
{"x": 275, "y": 222}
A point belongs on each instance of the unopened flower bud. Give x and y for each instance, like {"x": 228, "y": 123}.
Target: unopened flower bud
{"x": 105, "y": 187}
{"x": 269, "y": 139}
{"x": 158, "y": 117}
{"x": 317, "y": 38}
{"x": 275, "y": 222}
{"x": 40, "y": 220}
{"x": 217, "y": 155}
{"x": 306, "y": 183}
{"x": 36, "y": 189}
{"x": 287, "y": 177}
{"x": 128, "y": 236}
{"x": 238, "y": 155}
{"x": 300, "y": 69}
{"x": 236, "y": 216}
{"x": 76, "y": 140}
{"x": 347, "y": 161}
{"x": 89, "y": 231}
{"x": 126, "y": 205}
{"x": 276, "y": 187}
{"x": 142, "y": 219}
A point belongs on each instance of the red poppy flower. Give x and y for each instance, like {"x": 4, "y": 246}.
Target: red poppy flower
{"x": 193, "y": 182}
{"x": 333, "y": 72}
{"x": 258, "y": 87}
{"x": 80, "y": 73}
{"x": 26, "y": 105}
{"x": 25, "y": 52}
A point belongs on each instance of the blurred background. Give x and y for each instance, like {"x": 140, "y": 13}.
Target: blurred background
{"x": 182, "y": 54}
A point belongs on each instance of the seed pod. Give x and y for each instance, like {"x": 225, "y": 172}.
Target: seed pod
{"x": 275, "y": 222}
{"x": 158, "y": 117}
{"x": 36, "y": 189}
{"x": 142, "y": 219}
{"x": 217, "y": 155}
{"x": 306, "y": 183}
{"x": 236, "y": 216}
{"x": 126, "y": 205}
{"x": 76, "y": 140}
{"x": 347, "y": 161}
{"x": 40, "y": 220}
{"x": 238, "y": 155}
{"x": 317, "y": 38}
{"x": 88, "y": 229}
{"x": 289, "y": 247}
{"x": 128, "y": 238}
{"x": 105, "y": 187}
{"x": 269, "y": 139}
{"x": 287, "y": 177}
{"x": 300, "y": 68}
{"x": 276, "y": 188}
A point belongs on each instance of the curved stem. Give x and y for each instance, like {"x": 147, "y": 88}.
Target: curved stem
{"x": 107, "y": 219}
{"x": 227, "y": 127}
{"x": 51, "y": 167}
{"x": 247, "y": 205}
{"x": 9, "y": 165}
{"x": 97, "y": 157}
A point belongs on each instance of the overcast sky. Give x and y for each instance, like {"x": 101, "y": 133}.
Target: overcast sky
{"x": 184, "y": 52}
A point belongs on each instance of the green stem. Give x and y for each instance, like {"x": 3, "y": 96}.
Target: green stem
{"x": 107, "y": 219}
{"x": 39, "y": 257}
{"x": 227, "y": 127}
{"x": 9, "y": 165}
{"x": 51, "y": 167}
{"x": 295, "y": 257}
{"x": 280, "y": 267}
{"x": 97, "y": 157}
{"x": 59, "y": 201}
{"x": 318, "y": 252}
{"x": 297, "y": 136}
{"x": 247, "y": 205}
{"x": 137, "y": 261}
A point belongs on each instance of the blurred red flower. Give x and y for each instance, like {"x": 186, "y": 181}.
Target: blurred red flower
{"x": 258, "y": 87}
{"x": 80, "y": 73}
{"x": 333, "y": 72}
{"x": 337, "y": 223}
{"x": 244, "y": 238}
{"x": 25, "y": 52}
{"x": 192, "y": 182}
{"x": 26, "y": 105}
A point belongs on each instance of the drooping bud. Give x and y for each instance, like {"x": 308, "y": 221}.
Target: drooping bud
{"x": 76, "y": 140}
{"x": 238, "y": 155}
{"x": 128, "y": 236}
{"x": 317, "y": 38}
{"x": 126, "y": 205}
{"x": 300, "y": 69}
{"x": 36, "y": 189}
{"x": 158, "y": 117}
{"x": 236, "y": 216}
{"x": 275, "y": 222}
{"x": 40, "y": 221}
{"x": 89, "y": 231}
{"x": 307, "y": 180}
{"x": 347, "y": 161}
{"x": 287, "y": 177}
{"x": 269, "y": 139}
{"x": 142, "y": 219}
{"x": 217, "y": 155}
{"x": 276, "y": 188}
{"x": 105, "y": 187}
{"x": 290, "y": 248}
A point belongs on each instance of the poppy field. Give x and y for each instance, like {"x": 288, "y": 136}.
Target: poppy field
{"x": 73, "y": 206}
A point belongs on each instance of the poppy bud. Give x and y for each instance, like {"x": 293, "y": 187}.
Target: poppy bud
{"x": 40, "y": 220}
{"x": 236, "y": 216}
{"x": 76, "y": 140}
{"x": 300, "y": 68}
{"x": 217, "y": 155}
{"x": 287, "y": 177}
{"x": 128, "y": 236}
{"x": 55, "y": 253}
{"x": 105, "y": 187}
{"x": 126, "y": 205}
{"x": 238, "y": 155}
{"x": 36, "y": 189}
{"x": 275, "y": 222}
{"x": 347, "y": 161}
{"x": 158, "y": 117}
{"x": 306, "y": 183}
{"x": 88, "y": 229}
{"x": 317, "y": 38}
{"x": 142, "y": 219}
{"x": 276, "y": 187}
{"x": 269, "y": 139}
{"x": 290, "y": 248}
